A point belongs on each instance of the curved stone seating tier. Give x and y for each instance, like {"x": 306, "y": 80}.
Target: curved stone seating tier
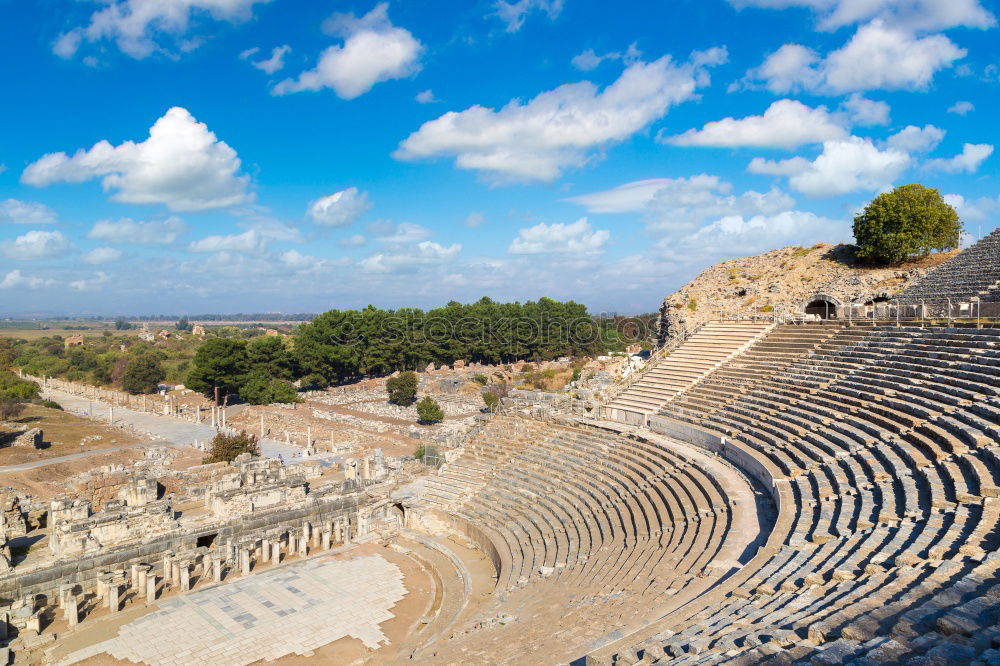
{"x": 713, "y": 344}
{"x": 588, "y": 517}
{"x": 974, "y": 272}
{"x": 888, "y": 438}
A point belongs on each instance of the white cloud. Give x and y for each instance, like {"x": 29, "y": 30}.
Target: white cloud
{"x": 865, "y": 112}
{"x": 558, "y": 129}
{"x": 248, "y": 241}
{"x": 340, "y": 208}
{"x": 137, "y": 26}
{"x": 26, "y": 212}
{"x": 736, "y": 235}
{"x": 914, "y": 15}
{"x": 374, "y": 51}
{"x": 972, "y": 155}
{"x": 304, "y": 263}
{"x": 15, "y": 278}
{"x": 357, "y": 240}
{"x": 403, "y": 233}
{"x": 91, "y": 284}
{"x": 425, "y": 97}
{"x": 474, "y": 220}
{"x": 37, "y": 245}
{"x": 125, "y": 230}
{"x": 961, "y": 108}
{"x": 103, "y": 255}
{"x": 252, "y": 51}
{"x": 670, "y": 203}
{"x": 425, "y": 253}
{"x": 590, "y": 60}
{"x": 843, "y": 166}
{"x": 912, "y": 139}
{"x": 272, "y": 64}
{"x": 182, "y": 164}
{"x": 559, "y": 238}
{"x": 785, "y": 124}
{"x": 514, "y": 13}
{"x": 878, "y": 57}
{"x": 977, "y": 210}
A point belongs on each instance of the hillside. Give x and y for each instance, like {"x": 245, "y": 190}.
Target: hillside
{"x": 783, "y": 281}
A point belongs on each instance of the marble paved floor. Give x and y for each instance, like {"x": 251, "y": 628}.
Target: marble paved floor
{"x": 291, "y": 610}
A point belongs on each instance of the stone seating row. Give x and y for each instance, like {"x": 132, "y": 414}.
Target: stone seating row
{"x": 888, "y": 441}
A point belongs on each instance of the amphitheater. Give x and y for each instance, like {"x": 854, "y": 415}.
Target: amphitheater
{"x": 810, "y": 490}
{"x": 814, "y": 491}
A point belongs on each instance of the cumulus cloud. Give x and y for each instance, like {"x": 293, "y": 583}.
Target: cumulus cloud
{"x": 975, "y": 210}
{"x": 672, "y": 203}
{"x": 340, "y": 208}
{"x": 843, "y": 166}
{"x": 513, "y": 14}
{"x": 272, "y": 64}
{"x": 961, "y": 108}
{"x": 15, "y": 278}
{"x": 91, "y": 284}
{"x": 248, "y": 241}
{"x": 403, "y": 233}
{"x": 37, "y": 245}
{"x": 537, "y": 140}
{"x": 425, "y": 97}
{"x": 142, "y": 27}
{"x": 589, "y": 60}
{"x": 865, "y": 112}
{"x": 25, "y": 212}
{"x": 425, "y": 253}
{"x": 785, "y": 124}
{"x": 304, "y": 264}
{"x": 914, "y": 15}
{"x": 373, "y": 51}
{"x": 877, "y": 57}
{"x": 126, "y": 230}
{"x": 102, "y": 255}
{"x": 559, "y": 238}
{"x": 181, "y": 164}
{"x": 968, "y": 161}
{"x": 474, "y": 220}
{"x": 913, "y": 139}
{"x": 735, "y": 235}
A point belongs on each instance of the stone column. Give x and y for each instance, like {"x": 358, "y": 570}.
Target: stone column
{"x": 150, "y": 588}
{"x": 114, "y": 597}
{"x": 133, "y": 578}
{"x": 175, "y": 573}
{"x": 185, "y": 568}
{"x": 276, "y": 551}
{"x": 244, "y": 560}
{"x": 326, "y": 540}
{"x": 292, "y": 545}
{"x": 143, "y": 571}
{"x": 265, "y": 550}
{"x": 166, "y": 566}
{"x": 217, "y": 569}
{"x": 72, "y": 611}
{"x": 303, "y": 547}
{"x": 306, "y": 531}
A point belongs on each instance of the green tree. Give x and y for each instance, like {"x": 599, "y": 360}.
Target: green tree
{"x": 259, "y": 388}
{"x": 183, "y": 324}
{"x": 7, "y": 354}
{"x": 908, "y": 223}
{"x": 14, "y": 388}
{"x": 427, "y": 454}
{"x": 225, "y": 448}
{"x": 143, "y": 374}
{"x": 402, "y": 388}
{"x": 492, "y": 400}
{"x": 429, "y": 410}
{"x": 269, "y": 354}
{"x": 218, "y": 367}
{"x": 122, "y": 324}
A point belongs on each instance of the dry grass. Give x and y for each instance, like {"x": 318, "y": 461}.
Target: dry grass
{"x": 35, "y": 333}
{"x": 62, "y": 432}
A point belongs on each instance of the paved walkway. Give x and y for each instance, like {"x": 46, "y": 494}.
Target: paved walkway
{"x": 291, "y": 610}
{"x": 166, "y": 430}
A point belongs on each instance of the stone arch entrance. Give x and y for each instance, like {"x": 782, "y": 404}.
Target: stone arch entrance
{"x": 822, "y": 306}
{"x": 399, "y": 512}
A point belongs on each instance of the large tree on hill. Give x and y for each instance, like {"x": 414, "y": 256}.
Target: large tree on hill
{"x": 269, "y": 355}
{"x": 143, "y": 374}
{"x": 219, "y": 368}
{"x": 905, "y": 224}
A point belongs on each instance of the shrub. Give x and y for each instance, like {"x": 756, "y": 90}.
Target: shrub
{"x": 491, "y": 400}
{"x": 427, "y": 454}
{"x": 402, "y": 388}
{"x": 576, "y": 374}
{"x": 692, "y": 305}
{"x": 429, "y": 411}
{"x": 480, "y": 379}
{"x": 262, "y": 389}
{"x": 15, "y": 388}
{"x": 51, "y": 404}
{"x": 908, "y": 223}
{"x": 142, "y": 374}
{"x": 225, "y": 448}
{"x": 314, "y": 382}
{"x": 10, "y": 408}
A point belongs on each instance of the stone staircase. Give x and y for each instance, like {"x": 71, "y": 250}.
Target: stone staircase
{"x": 703, "y": 352}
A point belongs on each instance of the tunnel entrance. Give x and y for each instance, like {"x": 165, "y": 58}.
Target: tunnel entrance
{"x": 822, "y": 308}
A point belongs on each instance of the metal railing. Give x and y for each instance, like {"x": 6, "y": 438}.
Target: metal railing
{"x": 622, "y": 384}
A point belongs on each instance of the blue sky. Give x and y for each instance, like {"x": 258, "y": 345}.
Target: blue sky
{"x": 270, "y": 155}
